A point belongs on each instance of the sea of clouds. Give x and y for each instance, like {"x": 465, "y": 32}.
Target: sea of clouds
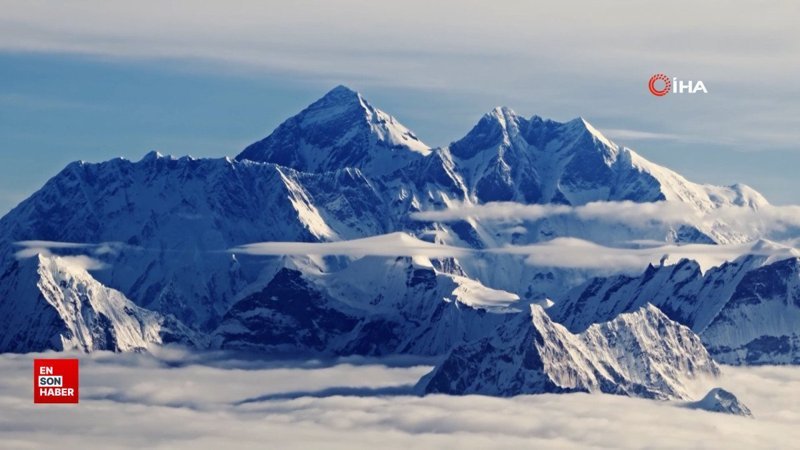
{"x": 175, "y": 399}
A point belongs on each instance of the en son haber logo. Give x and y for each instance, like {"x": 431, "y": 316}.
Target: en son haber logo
{"x": 55, "y": 381}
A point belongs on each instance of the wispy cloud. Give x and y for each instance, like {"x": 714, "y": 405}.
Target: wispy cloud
{"x": 626, "y": 211}
{"x": 575, "y": 253}
{"x": 755, "y": 222}
{"x": 639, "y": 135}
{"x": 77, "y": 253}
{"x": 394, "y": 244}
{"x": 565, "y": 252}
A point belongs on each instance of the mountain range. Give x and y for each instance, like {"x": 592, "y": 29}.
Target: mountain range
{"x": 122, "y": 255}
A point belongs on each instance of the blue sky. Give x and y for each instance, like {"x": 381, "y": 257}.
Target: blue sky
{"x": 93, "y": 80}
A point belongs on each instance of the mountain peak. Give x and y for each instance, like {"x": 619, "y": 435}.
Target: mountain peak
{"x": 501, "y": 113}
{"x": 721, "y": 401}
{"x": 339, "y": 97}
{"x": 339, "y": 130}
{"x": 152, "y": 155}
{"x": 341, "y": 93}
{"x": 495, "y": 128}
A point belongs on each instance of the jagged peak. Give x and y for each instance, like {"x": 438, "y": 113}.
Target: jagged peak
{"x": 152, "y": 155}
{"x": 340, "y": 96}
{"x": 501, "y": 113}
{"x": 342, "y": 91}
{"x": 340, "y": 129}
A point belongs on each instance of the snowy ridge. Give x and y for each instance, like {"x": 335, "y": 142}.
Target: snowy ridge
{"x": 57, "y": 305}
{"x": 641, "y": 354}
{"x": 375, "y": 306}
{"x": 746, "y": 311}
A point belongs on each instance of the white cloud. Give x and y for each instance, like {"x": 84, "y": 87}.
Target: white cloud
{"x": 628, "y": 212}
{"x": 576, "y": 253}
{"x": 762, "y": 221}
{"x": 393, "y": 244}
{"x": 74, "y": 257}
{"x": 564, "y": 252}
{"x": 625, "y": 135}
{"x": 187, "y": 400}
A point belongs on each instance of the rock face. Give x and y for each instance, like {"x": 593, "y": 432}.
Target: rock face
{"x": 721, "y": 401}
{"x": 641, "y": 354}
{"x": 760, "y": 323}
{"x": 746, "y": 311}
{"x": 55, "y": 304}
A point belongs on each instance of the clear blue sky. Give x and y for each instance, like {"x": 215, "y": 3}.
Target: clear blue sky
{"x": 93, "y": 80}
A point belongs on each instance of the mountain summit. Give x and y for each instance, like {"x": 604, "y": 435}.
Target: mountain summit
{"x": 339, "y": 130}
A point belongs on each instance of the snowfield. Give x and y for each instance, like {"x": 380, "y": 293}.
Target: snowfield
{"x": 174, "y": 399}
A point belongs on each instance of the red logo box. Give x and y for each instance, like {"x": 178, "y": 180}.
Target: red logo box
{"x": 55, "y": 381}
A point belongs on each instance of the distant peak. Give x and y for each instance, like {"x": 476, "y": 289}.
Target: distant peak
{"x": 341, "y": 94}
{"x": 502, "y": 115}
{"x": 496, "y": 127}
{"x": 339, "y": 130}
{"x": 152, "y": 156}
{"x": 501, "y": 111}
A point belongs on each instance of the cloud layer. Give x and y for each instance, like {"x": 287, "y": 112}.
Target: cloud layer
{"x": 78, "y": 252}
{"x": 765, "y": 219}
{"x": 575, "y": 253}
{"x": 393, "y": 244}
{"x": 188, "y": 401}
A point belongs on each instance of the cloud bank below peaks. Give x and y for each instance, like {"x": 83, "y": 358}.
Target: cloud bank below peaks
{"x": 761, "y": 221}
{"x": 564, "y": 252}
{"x": 573, "y": 253}
{"x": 393, "y": 244}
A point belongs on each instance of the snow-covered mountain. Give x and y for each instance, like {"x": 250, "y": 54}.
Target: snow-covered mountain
{"x": 375, "y": 306}
{"x": 341, "y": 169}
{"x": 642, "y": 354}
{"x": 53, "y": 303}
{"x": 339, "y": 130}
{"x": 169, "y": 222}
{"x": 721, "y": 401}
{"x": 746, "y": 311}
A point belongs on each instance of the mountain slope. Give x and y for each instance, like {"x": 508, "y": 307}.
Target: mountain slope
{"x": 642, "y": 354}
{"x": 760, "y": 323}
{"x": 49, "y": 303}
{"x": 746, "y": 311}
{"x": 376, "y": 306}
{"x": 167, "y": 223}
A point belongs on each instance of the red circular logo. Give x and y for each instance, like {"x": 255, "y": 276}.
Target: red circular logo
{"x": 655, "y": 79}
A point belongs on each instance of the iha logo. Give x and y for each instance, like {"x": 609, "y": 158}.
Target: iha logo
{"x": 661, "y": 85}
{"x": 55, "y": 381}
